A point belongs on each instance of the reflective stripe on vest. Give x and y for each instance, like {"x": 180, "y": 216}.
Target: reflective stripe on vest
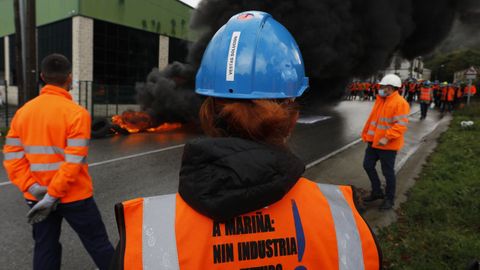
{"x": 14, "y": 155}
{"x": 78, "y": 142}
{"x": 45, "y": 167}
{"x": 350, "y": 255}
{"x": 13, "y": 142}
{"x": 159, "y": 245}
{"x": 43, "y": 150}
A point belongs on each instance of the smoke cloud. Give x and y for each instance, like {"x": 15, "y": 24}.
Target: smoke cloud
{"x": 339, "y": 40}
{"x": 167, "y": 95}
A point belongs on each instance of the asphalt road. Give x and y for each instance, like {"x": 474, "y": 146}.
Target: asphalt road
{"x": 126, "y": 167}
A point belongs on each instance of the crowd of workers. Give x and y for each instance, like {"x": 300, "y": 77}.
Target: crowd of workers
{"x": 444, "y": 95}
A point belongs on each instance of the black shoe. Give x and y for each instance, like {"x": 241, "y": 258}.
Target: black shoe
{"x": 387, "y": 204}
{"x": 373, "y": 197}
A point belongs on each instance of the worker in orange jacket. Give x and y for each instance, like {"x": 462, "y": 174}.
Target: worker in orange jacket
{"x": 45, "y": 157}
{"x": 450, "y": 97}
{"x": 384, "y": 132}
{"x": 470, "y": 90}
{"x": 241, "y": 201}
{"x": 426, "y": 98}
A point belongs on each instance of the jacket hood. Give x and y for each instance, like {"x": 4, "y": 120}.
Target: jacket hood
{"x": 226, "y": 177}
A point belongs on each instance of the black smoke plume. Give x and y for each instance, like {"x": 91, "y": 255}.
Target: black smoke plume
{"x": 168, "y": 96}
{"x": 339, "y": 40}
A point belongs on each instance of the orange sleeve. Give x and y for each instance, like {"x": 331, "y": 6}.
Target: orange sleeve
{"x": 14, "y": 161}
{"x": 76, "y": 152}
{"x": 400, "y": 121}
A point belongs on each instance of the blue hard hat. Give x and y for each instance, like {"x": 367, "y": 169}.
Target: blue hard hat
{"x": 252, "y": 57}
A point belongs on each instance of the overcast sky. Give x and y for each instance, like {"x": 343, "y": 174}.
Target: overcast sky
{"x": 192, "y": 3}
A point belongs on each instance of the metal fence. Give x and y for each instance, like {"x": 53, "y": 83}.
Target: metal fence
{"x": 6, "y": 111}
{"x": 103, "y": 100}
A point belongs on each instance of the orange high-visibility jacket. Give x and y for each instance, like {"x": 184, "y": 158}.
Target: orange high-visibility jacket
{"x": 472, "y": 90}
{"x": 451, "y": 94}
{"x": 444, "y": 93}
{"x": 459, "y": 92}
{"x": 48, "y": 144}
{"x": 314, "y": 225}
{"x": 389, "y": 119}
{"x": 426, "y": 94}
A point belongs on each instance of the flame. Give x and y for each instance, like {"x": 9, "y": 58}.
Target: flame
{"x": 135, "y": 122}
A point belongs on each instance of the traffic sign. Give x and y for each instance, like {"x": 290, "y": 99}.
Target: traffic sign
{"x": 471, "y": 73}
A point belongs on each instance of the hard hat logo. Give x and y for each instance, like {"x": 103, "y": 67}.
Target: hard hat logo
{"x": 252, "y": 57}
{"x": 245, "y": 16}
{"x": 232, "y": 56}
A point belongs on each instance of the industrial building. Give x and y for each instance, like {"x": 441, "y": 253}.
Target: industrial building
{"x": 109, "y": 42}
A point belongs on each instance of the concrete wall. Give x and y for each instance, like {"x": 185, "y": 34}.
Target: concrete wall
{"x": 82, "y": 54}
{"x": 163, "y": 51}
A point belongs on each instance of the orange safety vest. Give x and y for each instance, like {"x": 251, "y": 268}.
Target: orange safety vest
{"x": 389, "y": 119}
{"x": 451, "y": 94}
{"x": 314, "y": 225}
{"x": 472, "y": 90}
{"x": 426, "y": 94}
{"x": 444, "y": 93}
{"x": 48, "y": 144}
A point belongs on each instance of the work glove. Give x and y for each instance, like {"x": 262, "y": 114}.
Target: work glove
{"x": 37, "y": 191}
{"x": 42, "y": 209}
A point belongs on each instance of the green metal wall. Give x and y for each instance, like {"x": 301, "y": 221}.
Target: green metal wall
{"x": 168, "y": 17}
{"x": 47, "y": 11}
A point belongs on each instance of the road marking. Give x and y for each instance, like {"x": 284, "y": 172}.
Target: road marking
{"x": 135, "y": 155}
{"x": 318, "y": 161}
{"x": 122, "y": 158}
{"x": 312, "y": 119}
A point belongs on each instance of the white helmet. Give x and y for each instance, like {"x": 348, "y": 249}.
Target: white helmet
{"x": 392, "y": 80}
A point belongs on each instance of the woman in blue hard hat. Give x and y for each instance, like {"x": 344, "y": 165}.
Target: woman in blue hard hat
{"x": 242, "y": 201}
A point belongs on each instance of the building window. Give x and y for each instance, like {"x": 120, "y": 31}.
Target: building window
{"x": 178, "y": 50}
{"x": 13, "y": 60}
{"x": 55, "y": 38}
{"x": 122, "y": 55}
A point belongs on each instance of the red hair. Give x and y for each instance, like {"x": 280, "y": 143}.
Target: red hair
{"x": 261, "y": 120}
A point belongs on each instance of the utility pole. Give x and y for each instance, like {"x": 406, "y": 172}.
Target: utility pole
{"x": 18, "y": 52}
{"x": 30, "y": 43}
{"x": 26, "y": 49}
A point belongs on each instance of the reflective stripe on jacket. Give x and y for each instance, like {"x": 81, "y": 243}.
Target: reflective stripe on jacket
{"x": 426, "y": 94}
{"x": 315, "y": 225}
{"x": 48, "y": 144}
{"x": 389, "y": 119}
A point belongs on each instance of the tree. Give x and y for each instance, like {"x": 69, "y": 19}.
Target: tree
{"x": 444, "y": 66}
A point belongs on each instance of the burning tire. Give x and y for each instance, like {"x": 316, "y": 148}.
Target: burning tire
{"x": 101, "y": 128}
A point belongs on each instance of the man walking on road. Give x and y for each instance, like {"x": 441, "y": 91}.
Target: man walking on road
{"x": 426, "y": 97}
{"x": 45, "y": 157}
{"x": 384, "y": 131}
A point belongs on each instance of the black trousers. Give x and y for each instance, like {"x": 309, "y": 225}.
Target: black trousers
{"x": 84, "y": 218}
{"x": 424, "y": 108}
{"x": 387, "y": 160}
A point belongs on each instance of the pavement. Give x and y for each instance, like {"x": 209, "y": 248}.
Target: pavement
{"x": 126, "y": 167}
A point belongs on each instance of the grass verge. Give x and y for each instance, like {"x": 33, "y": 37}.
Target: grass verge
{"x": 439, "y": 225}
